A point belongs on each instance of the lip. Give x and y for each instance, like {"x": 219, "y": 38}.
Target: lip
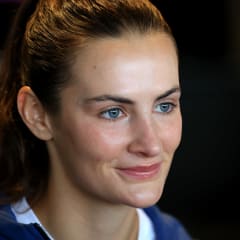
{"x": 141, "y": 172}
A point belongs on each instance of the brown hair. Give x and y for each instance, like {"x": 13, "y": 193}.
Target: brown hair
{"x": 38, "y": 53}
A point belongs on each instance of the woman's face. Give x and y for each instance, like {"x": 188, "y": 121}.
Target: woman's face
{"x": 120, "y": 121}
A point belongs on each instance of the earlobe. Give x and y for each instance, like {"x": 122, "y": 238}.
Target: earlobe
{"x": 33, "y": 114}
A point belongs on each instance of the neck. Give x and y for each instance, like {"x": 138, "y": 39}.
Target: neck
{"x": 66, "y": 216}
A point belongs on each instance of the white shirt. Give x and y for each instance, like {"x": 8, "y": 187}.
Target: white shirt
{"x": 24, "y": 214}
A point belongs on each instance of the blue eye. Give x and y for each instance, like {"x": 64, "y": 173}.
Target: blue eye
{"x": 112, "y": 114}
{"x": 164, "y": 107}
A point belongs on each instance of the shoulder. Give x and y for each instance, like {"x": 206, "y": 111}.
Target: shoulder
{"x": 165, "y": 225}
{"x": 10, "y": 229}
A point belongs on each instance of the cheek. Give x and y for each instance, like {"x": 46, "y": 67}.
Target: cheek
{"x": 98, "y": 142}
{"x": 171, "y": 136}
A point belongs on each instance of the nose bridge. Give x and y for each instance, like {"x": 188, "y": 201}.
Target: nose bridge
{"x": 146, "y": 140}
{"x": 147, "y": 128}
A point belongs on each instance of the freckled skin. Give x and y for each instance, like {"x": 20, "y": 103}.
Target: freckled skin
{"x": 86, "y": 149}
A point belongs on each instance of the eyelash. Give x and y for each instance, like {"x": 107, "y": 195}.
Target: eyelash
{"x": 169, "y": 104}
{"x": 120, "y": 113}
{"x": 111, "y": 110}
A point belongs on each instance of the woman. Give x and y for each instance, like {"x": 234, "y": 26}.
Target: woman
{"x": 90, "y": 121}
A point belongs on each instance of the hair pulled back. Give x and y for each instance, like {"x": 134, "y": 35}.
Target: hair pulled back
{"x": 39, "y": 52}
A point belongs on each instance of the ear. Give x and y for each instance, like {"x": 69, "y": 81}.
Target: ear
{"x": 33, "y": 114}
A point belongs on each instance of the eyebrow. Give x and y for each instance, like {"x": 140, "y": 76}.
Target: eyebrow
{"x": 119, "y": 99}
{"x": 168, "y": 93}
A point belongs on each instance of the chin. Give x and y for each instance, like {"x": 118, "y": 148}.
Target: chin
{"x": 144, "y": 199}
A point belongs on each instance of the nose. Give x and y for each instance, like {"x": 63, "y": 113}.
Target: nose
{"x": 145, "y": 139}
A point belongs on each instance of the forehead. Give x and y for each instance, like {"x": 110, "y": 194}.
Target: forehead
{"x": 121, "y": 61}
{"x": 134, "y": 44}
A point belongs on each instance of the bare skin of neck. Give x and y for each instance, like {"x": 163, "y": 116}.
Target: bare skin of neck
{"x": 83, "y": 218}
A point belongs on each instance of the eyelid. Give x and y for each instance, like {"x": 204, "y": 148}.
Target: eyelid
{"x": 172, "y": 106}
{"x": 175, "y": 100}
{"x": 122, "y": 113}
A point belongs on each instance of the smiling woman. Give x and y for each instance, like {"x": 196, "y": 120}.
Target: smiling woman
{"x": 90, "y": 121}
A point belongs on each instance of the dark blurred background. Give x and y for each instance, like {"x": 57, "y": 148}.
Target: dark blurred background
{"x": 203, "y": 184}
